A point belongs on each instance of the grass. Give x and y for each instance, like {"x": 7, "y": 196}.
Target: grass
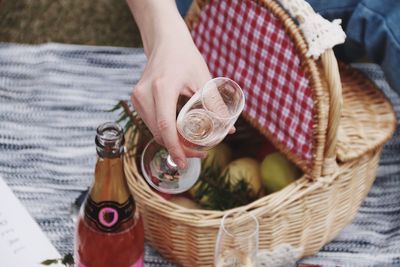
{"x": 90, "y": 22}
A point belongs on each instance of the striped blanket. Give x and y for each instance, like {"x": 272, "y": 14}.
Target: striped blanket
{"x": 53, "y": 96}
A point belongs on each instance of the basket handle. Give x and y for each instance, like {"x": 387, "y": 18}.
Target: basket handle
{"x": 192, "y": 14}
{"x": 331, "y": 71}
{"x": 321, "y": 35}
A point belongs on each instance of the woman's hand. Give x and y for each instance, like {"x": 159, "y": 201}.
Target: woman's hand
{"x": 174, "y": 67}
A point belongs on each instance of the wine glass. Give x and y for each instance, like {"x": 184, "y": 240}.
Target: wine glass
{"x": 237, "y": 240}
{"x": 202, "y": 123}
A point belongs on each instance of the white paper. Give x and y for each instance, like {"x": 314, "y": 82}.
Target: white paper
{"x": 22, "y": 242}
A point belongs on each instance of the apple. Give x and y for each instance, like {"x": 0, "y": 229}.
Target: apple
{"x": 277, "y": 172}
{"x": 247, "y": 169}
{"x": 217, "y": 157}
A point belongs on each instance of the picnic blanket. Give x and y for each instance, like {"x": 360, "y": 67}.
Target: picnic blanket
{"x": 53, "y": 96}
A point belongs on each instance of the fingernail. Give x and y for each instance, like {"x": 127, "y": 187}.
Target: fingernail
{"x": 181, "y": 163}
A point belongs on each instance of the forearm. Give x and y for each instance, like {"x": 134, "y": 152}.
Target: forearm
{"x": 157, "y": 20}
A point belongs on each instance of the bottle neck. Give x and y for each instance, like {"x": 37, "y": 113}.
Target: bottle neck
{"x": 109, "y": 182}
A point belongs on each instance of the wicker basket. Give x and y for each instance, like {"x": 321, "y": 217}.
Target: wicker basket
{"x": 351, "y": 121}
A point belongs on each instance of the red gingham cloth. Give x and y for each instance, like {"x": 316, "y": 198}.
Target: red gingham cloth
{"x": 244, "y": 41}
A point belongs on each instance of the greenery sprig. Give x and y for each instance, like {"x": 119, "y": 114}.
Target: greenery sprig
{"x": 67, "y": 260}
{"x": 215, "y": 191}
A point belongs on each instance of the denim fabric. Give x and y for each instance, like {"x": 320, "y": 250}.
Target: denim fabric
{"x": 183, "y": 6}
{"x": 372, "y": 28}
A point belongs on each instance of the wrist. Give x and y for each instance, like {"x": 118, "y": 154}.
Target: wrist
{"x": 158, "y": 21}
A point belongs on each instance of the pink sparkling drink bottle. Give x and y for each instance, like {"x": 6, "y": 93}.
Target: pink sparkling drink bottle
{"x": 109, "y": 230}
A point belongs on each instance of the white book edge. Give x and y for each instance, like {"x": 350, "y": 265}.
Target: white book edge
{"x": 22, "y": 241}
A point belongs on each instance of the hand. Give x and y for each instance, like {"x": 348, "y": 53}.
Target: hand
{"x": 174, "y": 67}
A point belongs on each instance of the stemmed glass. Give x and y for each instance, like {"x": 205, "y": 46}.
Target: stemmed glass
{"x": 237, "y": 240}
{"x": 202, "y": 123}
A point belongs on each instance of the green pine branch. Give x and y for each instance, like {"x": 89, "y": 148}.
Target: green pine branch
{"x": 220, "y": 194}
{"x": 67, "y": 260}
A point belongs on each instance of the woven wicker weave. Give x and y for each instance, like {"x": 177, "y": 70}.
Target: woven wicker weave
{"x": 355, "y": 120}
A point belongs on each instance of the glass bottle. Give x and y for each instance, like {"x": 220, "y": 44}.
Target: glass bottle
{"x": 109, "y": 229}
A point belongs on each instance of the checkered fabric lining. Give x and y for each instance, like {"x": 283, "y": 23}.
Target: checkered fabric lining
{"x": 244, "y": 41}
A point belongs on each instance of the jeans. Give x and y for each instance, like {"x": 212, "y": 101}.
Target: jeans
{"x": 183, "y": 6}
{"x": 373, "y": 31}
{"x": 372, "y": 28}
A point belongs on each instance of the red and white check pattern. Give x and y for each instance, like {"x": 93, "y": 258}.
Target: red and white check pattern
{"x": 244, "y": 41}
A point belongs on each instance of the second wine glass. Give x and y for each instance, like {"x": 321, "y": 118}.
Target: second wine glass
{"x": 202, "y": 123}
{"x": 237, "y": 240}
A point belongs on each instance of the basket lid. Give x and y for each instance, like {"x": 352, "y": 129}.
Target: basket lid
{"x": 367, "y": 118}
{"x": 260, "y": 47}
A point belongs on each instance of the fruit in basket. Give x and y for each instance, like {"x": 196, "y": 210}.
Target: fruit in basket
{"x": 246, "y": 169}
{"x": 277, "y": 172}
{"x": 217, "y": 157}
{"x": 184, "y": 202}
